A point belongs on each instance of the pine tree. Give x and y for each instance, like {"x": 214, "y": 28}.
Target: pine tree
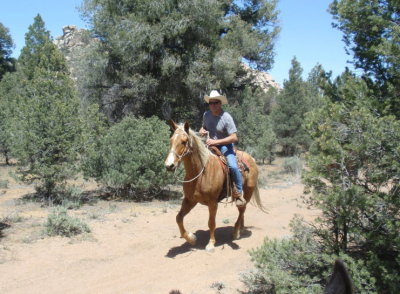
{"x": 288, "y": 115}
{"x": 156, "y": 55}
{"x": 371, "y": 31}
{"x": 7, "y": 63}
{"x": 46, "y": 127}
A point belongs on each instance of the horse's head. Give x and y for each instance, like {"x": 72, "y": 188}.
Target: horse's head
{"x": 180, "y": 142}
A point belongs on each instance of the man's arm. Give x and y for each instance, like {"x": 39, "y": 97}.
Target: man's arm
{"x": 232, "y": 138}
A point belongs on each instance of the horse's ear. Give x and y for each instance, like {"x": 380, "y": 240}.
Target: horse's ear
{"x": 186, "y": 126}
{"x": 173, "y": 125}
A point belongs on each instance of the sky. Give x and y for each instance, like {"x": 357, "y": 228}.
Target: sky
{"x": 306, "y": 31}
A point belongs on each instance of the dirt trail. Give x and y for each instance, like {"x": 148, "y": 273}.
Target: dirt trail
{"x": 135, "y": 248}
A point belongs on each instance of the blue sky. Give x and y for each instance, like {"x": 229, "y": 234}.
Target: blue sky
{"x": 306, "y": 31}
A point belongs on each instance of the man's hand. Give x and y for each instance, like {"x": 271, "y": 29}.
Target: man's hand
{"x": 211, "y": 142}
{"x": 203, "y": 132}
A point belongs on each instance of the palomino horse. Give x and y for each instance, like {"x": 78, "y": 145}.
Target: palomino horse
{"x": 204, "y": 180}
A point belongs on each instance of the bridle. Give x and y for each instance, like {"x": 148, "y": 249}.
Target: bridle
{"x": 188, "y": 149}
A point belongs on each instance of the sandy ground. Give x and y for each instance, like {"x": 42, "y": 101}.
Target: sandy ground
{"x": 135, "y": 247}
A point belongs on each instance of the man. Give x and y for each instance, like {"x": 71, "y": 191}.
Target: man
{"x": 222, "y": 131}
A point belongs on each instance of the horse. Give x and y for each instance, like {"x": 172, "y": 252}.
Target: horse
{"x": 204, "y": 180}
{"x": 340, "y": 281}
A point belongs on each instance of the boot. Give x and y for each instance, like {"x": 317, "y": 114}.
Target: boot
{"x": 239, "y": 199}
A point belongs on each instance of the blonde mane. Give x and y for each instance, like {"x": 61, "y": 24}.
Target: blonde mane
{"x": 198, "y": 143}
{"x": 198, "y": 146}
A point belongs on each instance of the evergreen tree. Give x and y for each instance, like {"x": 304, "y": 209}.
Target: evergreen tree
{"x": 288, "y": 115}
{"x": 46, "y": 126}
{"x": 7, "y": 63}
{"x": 254, "y": 125}
{"x": 372, "y": 33}
{"x": 11, "y": 88}
{"x": 157, "y": 55}
{"x": 353, "y": 172}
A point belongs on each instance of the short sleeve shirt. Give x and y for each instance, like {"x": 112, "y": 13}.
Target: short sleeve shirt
{"x": 220, "y": 126}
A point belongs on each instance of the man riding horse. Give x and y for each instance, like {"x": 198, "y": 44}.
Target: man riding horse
{"x": 221, "y": 129}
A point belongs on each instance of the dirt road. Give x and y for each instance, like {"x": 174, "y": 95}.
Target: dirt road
{"x": 135, "y": 248}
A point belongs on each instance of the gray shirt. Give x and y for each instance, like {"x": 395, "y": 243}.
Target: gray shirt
{"x": 220, "y": 126}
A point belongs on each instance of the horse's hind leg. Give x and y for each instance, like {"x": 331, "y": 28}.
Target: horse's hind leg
{"x": 186, "y": 207}
{"x": 239, "y": 222}
{"x": 212, "y": 208}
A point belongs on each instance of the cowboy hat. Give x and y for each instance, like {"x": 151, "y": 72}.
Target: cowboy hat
{"x": 216, "y": 96}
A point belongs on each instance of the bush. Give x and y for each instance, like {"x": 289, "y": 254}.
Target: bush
{"x": 60, "y": 223}
{"x": 299, "y": 265}
{"x": 131, "y": 156}
{"x": 3, "y": 184}
{"x": 293, "y": 165}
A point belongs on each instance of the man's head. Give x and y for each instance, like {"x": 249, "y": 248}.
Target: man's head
{"x": 215, "y": 97}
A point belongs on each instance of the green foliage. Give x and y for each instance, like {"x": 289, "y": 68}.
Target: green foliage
{"x": 40, "y": 52}
{"x": 292, "y": 104}
{"x": 130, "y": 158}
{"x": 372, "y": 33}
{"x": 7, "y": 63}
{"x": 354, "y": 176}
{"x": 254, "y": 125}
{"x": 59, "y": 223}
{"x": 293, "y": 165}
{"x": 299, "y": 264}
{"x": 10, "y": 87}
{"x": 157, "y": 55}
{"x": 43, "y": 124}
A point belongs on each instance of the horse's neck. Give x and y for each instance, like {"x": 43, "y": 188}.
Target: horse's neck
{"x": 193, "y": 163}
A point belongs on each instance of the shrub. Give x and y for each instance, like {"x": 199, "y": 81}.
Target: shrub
{"x": 131, "y": 157}
{"x": 293, "y": 165}
{"x": 299, "y": 264}
{"x": 3, "y": 184}
{"x": 60, "y": 223}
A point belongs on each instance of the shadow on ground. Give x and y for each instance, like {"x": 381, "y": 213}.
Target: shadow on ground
{"x": 223, "y": 236}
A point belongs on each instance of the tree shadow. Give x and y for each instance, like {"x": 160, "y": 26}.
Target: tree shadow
{"x": 223, "y": 237}
{"x": 3, "y": 226}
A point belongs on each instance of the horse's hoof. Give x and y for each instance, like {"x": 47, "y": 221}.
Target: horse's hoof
{"x": 191, "y": 238}
{"x": 210, "y": 248}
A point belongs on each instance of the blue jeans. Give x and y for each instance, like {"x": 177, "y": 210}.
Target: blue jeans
{"x": 229, "y": 153}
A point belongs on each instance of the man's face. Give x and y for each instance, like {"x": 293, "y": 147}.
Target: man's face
{"x": 214, "y": 104}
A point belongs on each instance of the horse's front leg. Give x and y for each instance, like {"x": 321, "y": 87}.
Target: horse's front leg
{"x": 186, "y": 207}
{"x": 212, "y": 208}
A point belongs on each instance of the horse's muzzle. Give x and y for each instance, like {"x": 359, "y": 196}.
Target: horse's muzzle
{"x": 170, "y": 167}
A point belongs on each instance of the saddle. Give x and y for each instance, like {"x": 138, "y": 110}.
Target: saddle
{"x": 229, "y": 186}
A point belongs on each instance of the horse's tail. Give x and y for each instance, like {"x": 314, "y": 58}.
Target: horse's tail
{"x": 256, "y": 199}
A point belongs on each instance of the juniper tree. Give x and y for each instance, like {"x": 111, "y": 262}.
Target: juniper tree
{"x": 288, "y": 115}
{"x": 46, "y": 127}
{"x": 7, "y": 62}
{"x": 158, "y": 55}
{"x": 371, "y": 32}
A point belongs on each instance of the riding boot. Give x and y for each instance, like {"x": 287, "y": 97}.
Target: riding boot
{"x": 238, "y": 197}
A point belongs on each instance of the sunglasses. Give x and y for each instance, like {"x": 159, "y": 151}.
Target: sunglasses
{"x": 213, "y": 103}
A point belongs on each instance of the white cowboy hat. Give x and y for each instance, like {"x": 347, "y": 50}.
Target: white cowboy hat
{"x": 217, "y": 96}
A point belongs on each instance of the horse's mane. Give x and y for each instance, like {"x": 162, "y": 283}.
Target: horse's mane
{"x": 198, "y": 146}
